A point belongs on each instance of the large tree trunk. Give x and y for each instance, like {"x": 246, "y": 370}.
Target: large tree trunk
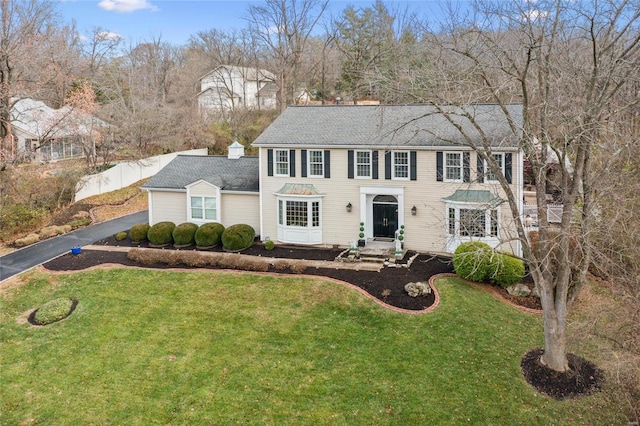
{"x": 555, "y": 329}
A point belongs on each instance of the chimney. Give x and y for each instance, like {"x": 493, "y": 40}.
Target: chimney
{"x": 236, "y": 150}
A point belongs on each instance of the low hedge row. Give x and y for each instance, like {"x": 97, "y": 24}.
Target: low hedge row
{"x": 216, "y": 260}
{"x": 477, "y": 261}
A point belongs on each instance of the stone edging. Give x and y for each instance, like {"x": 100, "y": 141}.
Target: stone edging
{"x": 273, "y": 274}
{"x": 432, "y": 280}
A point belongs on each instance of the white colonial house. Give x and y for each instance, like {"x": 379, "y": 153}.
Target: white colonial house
{"x": 228, "y": 87}
{"x": 323, "y": 170}
{"x": 42, "y": 133}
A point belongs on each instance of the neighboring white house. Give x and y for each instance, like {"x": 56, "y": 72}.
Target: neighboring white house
{"x": 323, "y": 170}
{"x": 45, "y": 134}
{"x": 227, "y": 88}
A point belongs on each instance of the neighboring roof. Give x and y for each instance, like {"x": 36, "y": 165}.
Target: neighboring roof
{"x": 38, "y": 119}
{"x": 388, "y": 125}
{"x": 269, "y": 89}
{"x": 248, "y": 73}
{"x": 231, "y": 175}
{"x": 474, "y": 196}
{"x": 298, "y": 189}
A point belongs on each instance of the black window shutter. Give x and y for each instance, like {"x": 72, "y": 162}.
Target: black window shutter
{"x": 466, "y": 171}
{"x": 303, "y": 162}
{"x": 413, "y": 166}
{"x": 327, "y": 163}
{"x": 508, "y": 166}
{"x": 292, "y": 163}
{"x": 374, "y": 164}
{"x": 439, "y": 166}
{"x": 387, "y": 165}
{"x": 350, "y": 165}
{"x": 270, "y": 162}
{"x": 480, "y": 168}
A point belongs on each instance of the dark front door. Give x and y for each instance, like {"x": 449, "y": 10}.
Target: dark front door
{"x": 385, "y": 220}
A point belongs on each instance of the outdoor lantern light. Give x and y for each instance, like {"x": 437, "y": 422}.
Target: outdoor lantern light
{"x": 414, "y": 210}
{"x": 349, "y": 208}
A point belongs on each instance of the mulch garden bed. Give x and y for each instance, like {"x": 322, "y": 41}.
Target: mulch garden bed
{"x": 386, "y": 285}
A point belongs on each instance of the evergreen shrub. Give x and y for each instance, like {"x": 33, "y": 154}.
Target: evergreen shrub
{"x": 472, "y": 261}
{"x": 238, "y": 237}
{"x": 209, "y": 234}
{"x": 184, "y": 234}
{"x": 506, "y": 270}
{"x": 139, "y": 232}
{"x": 161, "y": 233}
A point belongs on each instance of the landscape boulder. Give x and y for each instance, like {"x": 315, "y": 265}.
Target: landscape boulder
{"x": 417, "y": 289}
{"x": 519, "y": 290}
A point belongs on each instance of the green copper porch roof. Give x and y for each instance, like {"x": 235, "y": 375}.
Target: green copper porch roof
{"x": 298, "y": 189}
{"x": 474, "y": 196}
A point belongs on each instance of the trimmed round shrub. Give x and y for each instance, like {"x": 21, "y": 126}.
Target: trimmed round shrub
{"x": 269, "y": 245}
{"x": 506, "y": 270}
{"x": 184, "y": 233}
{"x": 238, "y": 237}
{"x": 121, "y": 236}
{"x": 139, "y": 232}
{"x": 209, "y": 234}
{"x": 472, "y": 261}
{"x": 161, "y": 233}
{"x": 53, "y": 311}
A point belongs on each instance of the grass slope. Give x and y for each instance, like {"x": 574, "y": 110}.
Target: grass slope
{"x": 153, "y": 347}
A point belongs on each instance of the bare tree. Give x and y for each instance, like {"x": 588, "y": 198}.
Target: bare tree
{"x": 283, "y": 27}
{"x": 566, "y": 62}
{"x": 23, "y": 30}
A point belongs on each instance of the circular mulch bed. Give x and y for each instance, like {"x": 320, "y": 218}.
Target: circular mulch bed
{"x": 32, "y": 316}
{"x": 583, "y": 377}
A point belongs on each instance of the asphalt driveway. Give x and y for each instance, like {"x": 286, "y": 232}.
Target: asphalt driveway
{"x": 39, "y": 253}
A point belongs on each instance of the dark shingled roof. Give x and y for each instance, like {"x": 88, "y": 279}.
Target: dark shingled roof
{"x": 230, "y": 175}
{"x": 390, "y": 125}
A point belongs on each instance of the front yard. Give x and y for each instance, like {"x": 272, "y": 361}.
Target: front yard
{"x": 157, "y": 347}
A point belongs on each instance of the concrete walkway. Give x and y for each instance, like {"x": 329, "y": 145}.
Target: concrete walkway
{"x": 36, "y": 254}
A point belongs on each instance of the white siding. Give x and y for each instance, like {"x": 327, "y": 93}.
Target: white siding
{"x": 167, "y": 206}
{"x": 424, "y": 232}
{"x": 241, "y": 208}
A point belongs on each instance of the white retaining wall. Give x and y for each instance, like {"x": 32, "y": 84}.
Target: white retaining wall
{"x": 126, "y": 173}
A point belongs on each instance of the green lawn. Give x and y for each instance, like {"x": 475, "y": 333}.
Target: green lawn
{"x": 151, "y": 347}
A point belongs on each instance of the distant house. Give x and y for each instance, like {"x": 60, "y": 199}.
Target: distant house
{"x": 324, "y": 170}
{"x": 42, "y": 133}
{"x": 227, "y": 88}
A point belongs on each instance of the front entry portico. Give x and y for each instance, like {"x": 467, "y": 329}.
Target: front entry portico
{"x": 381, "y": 210}
{"x": 385, "y": 216}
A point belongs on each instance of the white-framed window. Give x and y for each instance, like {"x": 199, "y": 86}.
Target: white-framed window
{"x": 300, "y": 220}
{"x": 203, "y": 208}
{"x": 299, "y": 213}
{"x": 400, "y": 165}
{"x": 490, "y": 174}
{"x": 281, "y": 160}
{"x": 472, "y": 222}
{"x": 363, "y": 164}
{"x": 315, "y": 165}
{"x": 453, "y": 167}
